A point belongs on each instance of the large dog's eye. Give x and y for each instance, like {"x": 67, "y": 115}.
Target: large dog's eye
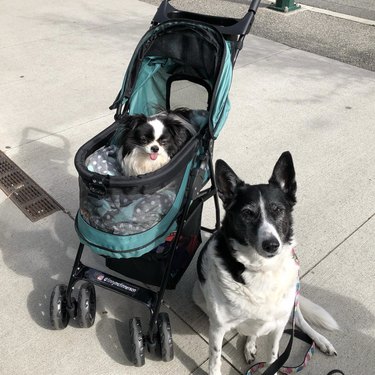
{"x": 276, "y": 209}
{"x": 249, "y": 214}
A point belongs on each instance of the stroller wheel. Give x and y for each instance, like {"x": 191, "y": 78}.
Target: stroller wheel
{"x": 165, "y": 337}
{"x": 137, "y": 342}
{"x": 86, "y": 305}
{"x": 58, "y": 307}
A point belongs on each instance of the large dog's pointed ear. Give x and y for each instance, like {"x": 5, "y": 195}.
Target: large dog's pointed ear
{"x": 284, "y": 177}
{"x": 227, "y": 182}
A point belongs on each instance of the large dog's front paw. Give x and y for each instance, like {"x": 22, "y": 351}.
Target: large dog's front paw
{"x": 250, "y": 349}
{"x": 324, "y": 345}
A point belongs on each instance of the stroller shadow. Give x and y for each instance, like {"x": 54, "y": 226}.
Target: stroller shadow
{"x": 41, "y": 251}
{"x": 44, "y": 252}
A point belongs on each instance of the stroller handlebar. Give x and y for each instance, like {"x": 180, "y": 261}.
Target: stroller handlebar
{"x": 226, "y": 25}
{"x": 254, "y": 5}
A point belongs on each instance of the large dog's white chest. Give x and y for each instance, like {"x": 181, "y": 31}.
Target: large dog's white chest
{"x": 256, "y": 307}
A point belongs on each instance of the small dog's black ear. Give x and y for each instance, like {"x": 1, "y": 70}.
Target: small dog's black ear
{"x": 130, "y": 122}
{"x": 136, "y": 120}
{"x": 284, "y": 177}
{"x": 227, "y": 182}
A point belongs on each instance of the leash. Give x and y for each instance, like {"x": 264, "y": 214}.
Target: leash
{"x": 277, "y": 365}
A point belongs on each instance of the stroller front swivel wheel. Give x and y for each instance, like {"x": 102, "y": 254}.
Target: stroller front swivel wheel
{"x": 137, "y": 342}
{"x": 86, "y": 305}
{"x": 59, "y": 314}
{"x": 165, "y": 337}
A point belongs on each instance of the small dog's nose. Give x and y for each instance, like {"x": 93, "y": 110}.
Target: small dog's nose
{"x": 154, "y": 148}
{"x": 270, "y": 245}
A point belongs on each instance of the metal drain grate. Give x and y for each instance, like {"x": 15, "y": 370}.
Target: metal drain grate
{"x": 29, "y": 197}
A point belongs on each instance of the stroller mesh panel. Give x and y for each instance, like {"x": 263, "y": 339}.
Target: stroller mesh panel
{"x": 127, "y": 211}
{"x": 124, "y": 217}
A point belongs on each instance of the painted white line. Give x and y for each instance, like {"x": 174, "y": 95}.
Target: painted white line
{"x": 328, "y": 12}
{"x": 339, "y": 15}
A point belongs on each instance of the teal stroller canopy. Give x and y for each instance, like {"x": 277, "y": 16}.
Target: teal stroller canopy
{"x": 183, "y": 53}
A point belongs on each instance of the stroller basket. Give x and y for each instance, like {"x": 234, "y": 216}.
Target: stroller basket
{"x": 126, "y": 217}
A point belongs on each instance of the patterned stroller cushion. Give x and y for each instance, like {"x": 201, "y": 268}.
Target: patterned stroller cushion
{"x": 123, "y": 213}
{"x": 104, "y": 161}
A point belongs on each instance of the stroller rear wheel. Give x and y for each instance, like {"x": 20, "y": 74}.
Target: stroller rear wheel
{"x": 59, "y": 314}
{"x": 137, "y": 342}
{"x": 86, "y": 306}
{"x": 165, "y": 337}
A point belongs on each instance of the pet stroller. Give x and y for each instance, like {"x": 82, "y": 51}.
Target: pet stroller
{"x": 148, "y": 227}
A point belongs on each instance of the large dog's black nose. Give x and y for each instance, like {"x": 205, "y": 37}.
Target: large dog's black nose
{"x": 155, "y": 148}
{"x": 271, "y": 245}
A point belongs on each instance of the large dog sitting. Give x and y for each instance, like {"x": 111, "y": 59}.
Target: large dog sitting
{"x": 247, "y": 271}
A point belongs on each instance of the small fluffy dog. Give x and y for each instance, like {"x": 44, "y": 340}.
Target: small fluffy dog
{"x": 148, "y": 143}
{"x": 247, "y": 273}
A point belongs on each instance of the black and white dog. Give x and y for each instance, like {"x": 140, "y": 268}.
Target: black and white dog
{"x": 247, "y": 272}
{"x": 148, "y": 143}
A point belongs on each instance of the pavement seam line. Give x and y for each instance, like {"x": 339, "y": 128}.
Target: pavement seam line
{"x": 204, "y": 339}
{"x": 225, "y": 344}
{"x": 67, "y": 212}
{"x": 337, "y": 246}
{"x": 199, "y": 366}
{"x": 169, "y": 307}
{"x": 187, "y": 323}
{"x": 230, "y": 364}
{"x": 266, "y": 57}
{"x": 223, "y": 359}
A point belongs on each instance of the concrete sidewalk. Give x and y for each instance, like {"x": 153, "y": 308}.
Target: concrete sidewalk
{"x": 61, "y": 66}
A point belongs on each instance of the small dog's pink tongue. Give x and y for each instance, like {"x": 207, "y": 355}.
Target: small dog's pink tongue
{"x": 153, "y": 156}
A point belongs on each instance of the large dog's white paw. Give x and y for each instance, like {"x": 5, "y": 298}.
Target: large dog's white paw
{"x": 250, "y": 349}
{"x": 324, "y": 345}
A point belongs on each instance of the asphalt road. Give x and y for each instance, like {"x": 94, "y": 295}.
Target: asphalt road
{"x": 357, "y": 8}
{"x": 327, "y": 35}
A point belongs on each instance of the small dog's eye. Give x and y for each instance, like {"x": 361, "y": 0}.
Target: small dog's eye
{"x": 162, "y": 142}
{"x": 143, "y": 140}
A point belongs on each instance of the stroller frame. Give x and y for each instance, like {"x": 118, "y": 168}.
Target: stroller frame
{"x": 64, "y": 306}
